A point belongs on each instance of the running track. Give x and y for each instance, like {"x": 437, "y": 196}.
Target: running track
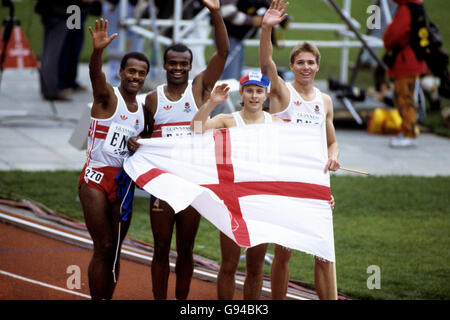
{"x": 34, "y": 267}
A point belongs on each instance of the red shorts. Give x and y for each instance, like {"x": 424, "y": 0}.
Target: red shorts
{"x": 102, "y": 179}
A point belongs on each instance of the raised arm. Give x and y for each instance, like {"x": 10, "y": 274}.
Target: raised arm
{"x": 100, "y": 40}
{"x": 279, "y": 93}
{"x": 216, "y": 64}
{"x": 200, "y": 123}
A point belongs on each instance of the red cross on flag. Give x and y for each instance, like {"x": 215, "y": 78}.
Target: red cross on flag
{"x": 260, "y": 183}
{"x": 18, "y": 52}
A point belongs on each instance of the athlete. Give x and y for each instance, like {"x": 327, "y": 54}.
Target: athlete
{"x": 302, "y": 103}
{"x": 116, "y": 115}
{"x": 170, "y": 109}
{"x": 253, "y": 91}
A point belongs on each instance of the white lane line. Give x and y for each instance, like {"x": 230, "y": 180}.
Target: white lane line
{"x": 12, "y": 275}
{"x": 4, "y": 217}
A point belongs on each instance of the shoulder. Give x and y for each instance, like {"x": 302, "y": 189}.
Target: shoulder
{"x": 104, "y": 106}
{"x": 279, "y": 87}
{"x": 280, "y": 96}
{"x": 224, "y": 116}
{"x": 224, "y": 120}
{"x": 327, "y": 104}
{"x": 276, "y": 119}
{"x": 326, "y": 98}
{"x": 327, "y": 101}
{"x": 105, "y": 96}
{"x": 151, "y": 101}
{"x": 198, "y": 89}
{"x": 402, "y": 16}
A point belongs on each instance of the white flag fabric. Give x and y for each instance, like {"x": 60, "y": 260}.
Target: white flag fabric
{"x": 261, "y": 183}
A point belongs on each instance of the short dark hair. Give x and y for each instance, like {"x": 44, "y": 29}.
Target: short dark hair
{"x": 178, "y": 47}
{"x": 134, "y": 55}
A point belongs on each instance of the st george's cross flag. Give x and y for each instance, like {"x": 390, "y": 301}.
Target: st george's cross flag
{"x": 262, "y": 183}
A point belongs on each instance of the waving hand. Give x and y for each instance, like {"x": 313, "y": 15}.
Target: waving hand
{"x": 276, "y": 13}
{"x": 100, "y": 39}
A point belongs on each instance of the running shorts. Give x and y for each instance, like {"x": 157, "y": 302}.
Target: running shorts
{"x": 102, "y": 179}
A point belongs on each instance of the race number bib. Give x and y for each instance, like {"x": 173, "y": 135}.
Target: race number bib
{"x": 175, "y": 131}
{"x": 94, "y": 176}
{"x": 116, "y": 140}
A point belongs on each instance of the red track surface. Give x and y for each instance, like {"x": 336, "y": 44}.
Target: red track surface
{"x": 45, "y": 260}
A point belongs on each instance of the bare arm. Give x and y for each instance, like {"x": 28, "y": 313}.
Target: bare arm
{"x": 102, "y": 90}
{"x": 200, "y": 123}
{"x": 332, "y": 144}
{"x": 204, "y": 82}
{"x": 279, "y": 93}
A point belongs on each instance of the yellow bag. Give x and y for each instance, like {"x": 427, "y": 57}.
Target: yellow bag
{"x": 385, "y": 121}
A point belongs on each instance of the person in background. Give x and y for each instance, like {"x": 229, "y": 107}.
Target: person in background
{"x": 53, "y": 16}
{"x": 73, "y": 44}
{"x": 242, "y": 21}
{"x": 404, "y": 71}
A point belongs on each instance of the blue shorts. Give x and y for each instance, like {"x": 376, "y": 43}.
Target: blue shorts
{"x": 125, "y": 194}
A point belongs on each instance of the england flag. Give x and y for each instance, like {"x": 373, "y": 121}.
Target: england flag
{"x": 262, "y": 183}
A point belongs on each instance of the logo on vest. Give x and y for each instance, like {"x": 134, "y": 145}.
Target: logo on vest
{"x": 316, "y": 108}
{"x": 167, "y": 108}
{"x": 297, "y": 103}
{"x": 123, "y": 117}
{"x": 187, "y": 107}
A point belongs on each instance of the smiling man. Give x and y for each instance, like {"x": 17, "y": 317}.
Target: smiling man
{"x": 170, "y": 109}
{"x": 116, "y": 115}
{"x": 301, "y": 103}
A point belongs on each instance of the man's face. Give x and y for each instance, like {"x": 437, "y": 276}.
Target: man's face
{"x": 133, "y": 75}
{"x": 253, "y": 96}
{"x": 305, "y": 67}
{"x": 178, "y": 65}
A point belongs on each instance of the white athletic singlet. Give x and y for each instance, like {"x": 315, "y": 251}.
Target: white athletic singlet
{"x": 240, "y": 122}
{"x": 107, "y": 138}
{"x": 173, "y": 118}
{"x": 306, "y": 113}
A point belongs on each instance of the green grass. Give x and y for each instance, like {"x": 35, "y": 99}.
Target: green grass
{"x": 400, "y": 224}
{"x": 435, "y": 122}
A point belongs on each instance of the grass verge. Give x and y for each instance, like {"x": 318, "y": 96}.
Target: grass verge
{"x": 399, "y": 223}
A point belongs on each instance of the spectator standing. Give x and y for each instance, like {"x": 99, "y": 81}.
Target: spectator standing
{"x": 53, "y": 16}
{"x": 73, "y": 44}
{"x": 405, "y": 71}
{"x": 242, "y": 22}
